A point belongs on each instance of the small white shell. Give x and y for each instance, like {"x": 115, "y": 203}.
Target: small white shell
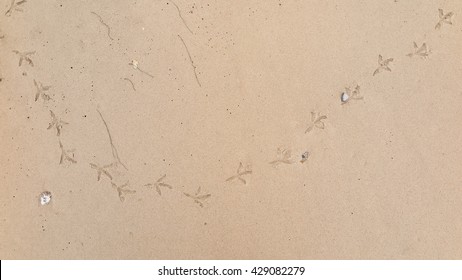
{"x": 344, "y": 97}
{"x": 134, "y": 63}
{"x": 45, "y": 198}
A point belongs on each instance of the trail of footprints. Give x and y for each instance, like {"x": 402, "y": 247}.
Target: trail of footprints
{"x": 116, "y": 168}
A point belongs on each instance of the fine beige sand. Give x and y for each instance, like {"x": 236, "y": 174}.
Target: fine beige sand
{"x": 215, "y": 129}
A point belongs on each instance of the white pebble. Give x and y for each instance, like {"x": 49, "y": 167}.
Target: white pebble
{"x": 45, "y": 198}
{"x": 344, "y": 97}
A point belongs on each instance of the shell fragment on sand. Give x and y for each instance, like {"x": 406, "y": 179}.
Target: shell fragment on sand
{"x": 344, "y": 97}
{"x": 45, "y": 198}
{"x": 305, "y": 156}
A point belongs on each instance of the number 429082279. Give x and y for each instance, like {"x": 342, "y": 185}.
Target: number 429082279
{"x": 269, "y": 270}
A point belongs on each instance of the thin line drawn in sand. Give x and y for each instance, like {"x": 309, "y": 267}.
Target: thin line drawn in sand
{"x": 105, "y": 24}
{"x": 134, "y": 64}
{"x": 14, "y": 6}
{"x": 190, "y": 60}
{"x": 241, "y": 171}
{"x": 383, "y": 65}
{"x": 122, "y": 191}
{"x": 41, "y": 91}
{"x": 444, "y": 18}
{"x": 102, "y": 170}
{"x": 349, "y": 94}
{"x": 57, "y": 123}
{"x": 422, "y": 51}
{"x": 305, "y": 157}
{"x": 316, "y": 121}
{"x": 25, "y": 56}
{"x": 131, "y": 83}
{"x": 181, "y": 17}
{"x": 66, "y": 154}
{"x": 197, "y": 197}
{"x": 159, "y": 183}
{"x": 115, "y": 153}
{"x": 283, "y": 156}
